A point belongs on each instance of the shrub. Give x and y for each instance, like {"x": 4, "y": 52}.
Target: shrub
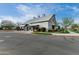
{"x": 43, "y": 29}
{"x": 17, "y": 28}
{"x": 62, "y": 30}
{"x": 38, "y": 30}
{"x": 49, "y": 30}
{"x": 66, "y": 31}
{"x": 1, "y": 28}
{"x": 75, "y": 30}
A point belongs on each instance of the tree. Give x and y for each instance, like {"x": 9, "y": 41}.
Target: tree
{"x": 66, "y": 22}
{"x": 7, "y": 24}
{"x": 18, "y": 23}
{"x": 75, "y": 27}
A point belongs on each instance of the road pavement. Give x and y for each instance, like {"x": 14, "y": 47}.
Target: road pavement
{"x": 14, "y": 43}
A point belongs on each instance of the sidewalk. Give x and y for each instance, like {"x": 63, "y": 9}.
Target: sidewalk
{"x": 57, "y": 34}
{"x": 62, "y": 34}
{"x": 24, "y": 32}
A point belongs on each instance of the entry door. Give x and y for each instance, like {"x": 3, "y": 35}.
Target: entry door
{"x": 53, "y": 26}
{"x": 27, "y": 28}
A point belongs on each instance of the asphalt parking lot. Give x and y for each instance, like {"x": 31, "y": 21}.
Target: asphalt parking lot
{"x": 12, "y": 43}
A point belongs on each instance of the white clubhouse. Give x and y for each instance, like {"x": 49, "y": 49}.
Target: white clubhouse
{"x": 45, "y": 21}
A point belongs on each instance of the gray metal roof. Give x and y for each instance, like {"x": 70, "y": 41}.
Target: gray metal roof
{"x": 44, "y": 18}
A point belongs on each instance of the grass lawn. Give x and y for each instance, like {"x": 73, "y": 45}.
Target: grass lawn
{"x": 49, "y": 33}
{"x": 43, "y": 33}
{"x": 64, "y": 32}
{"x": 76, "y": 31}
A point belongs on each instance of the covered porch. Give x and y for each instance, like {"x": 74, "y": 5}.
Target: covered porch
{"x": 31, "y": 27}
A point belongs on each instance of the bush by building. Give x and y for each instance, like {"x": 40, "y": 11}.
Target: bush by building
{"x": 18, "y": 28}
{"x": 38, "y": 30}
{"x": 49, "y": 30}
{"x": 43, "y": 29}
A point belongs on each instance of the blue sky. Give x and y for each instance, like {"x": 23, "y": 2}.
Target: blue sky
{"x": 21, "y": 12}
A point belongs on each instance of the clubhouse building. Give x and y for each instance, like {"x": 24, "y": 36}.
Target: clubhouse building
{"x": 45, "y": 21}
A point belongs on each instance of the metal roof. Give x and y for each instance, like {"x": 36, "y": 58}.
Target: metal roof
{"x": 44, "y": 18}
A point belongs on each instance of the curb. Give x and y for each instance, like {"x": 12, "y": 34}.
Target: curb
{"x": 69, "y": 35}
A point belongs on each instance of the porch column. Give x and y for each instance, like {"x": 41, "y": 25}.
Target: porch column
{"x": 31, "y": 28}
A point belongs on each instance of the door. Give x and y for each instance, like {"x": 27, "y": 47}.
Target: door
{"x": 53, "y": 27}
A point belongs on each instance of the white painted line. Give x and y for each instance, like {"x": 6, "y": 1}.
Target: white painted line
{"x": 7, "y": 36}
{"x": 1, "y": 40}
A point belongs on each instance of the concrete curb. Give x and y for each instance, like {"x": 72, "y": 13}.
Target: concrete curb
{"x": 60, "y": 34}
{"x": 23, "y": 32}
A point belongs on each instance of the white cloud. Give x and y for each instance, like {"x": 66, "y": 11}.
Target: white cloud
{"x": 30, "y": 12}
{"x": 36, "y": 9}
{"x": 13, "y": 19}
{"x": 76, "y": 20}
{"x": 21, "y": 19}
{"x": 74, "y": 8}
{"x": 23, "y": 8}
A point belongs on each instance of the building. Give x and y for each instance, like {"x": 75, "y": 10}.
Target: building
{"x": 45, "y": 21}
{"x": 21, "y": 26}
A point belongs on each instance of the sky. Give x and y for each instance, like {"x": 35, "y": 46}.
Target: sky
{"x": 21, "y": 12}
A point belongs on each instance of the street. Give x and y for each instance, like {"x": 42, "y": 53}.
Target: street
{"x": 13, "y": 43}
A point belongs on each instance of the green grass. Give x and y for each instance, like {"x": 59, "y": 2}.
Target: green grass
{"x": 76, "y": 31}
{"x": 42, "y": 33}
{"x": 65, "y": 31}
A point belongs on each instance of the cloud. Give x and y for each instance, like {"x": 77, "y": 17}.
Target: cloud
{"x": 35, "y": 9}
{"x": 74, "y": 8}
{"x": 23, "y": 8}
{"x": 58, "y": 8}
{"x": 28, "y": 12}
{"x": 16, "y": 19}
{"x": 11, "y": 18}
{"x": 76, "y": 20}
{"x": 38, "y": 9}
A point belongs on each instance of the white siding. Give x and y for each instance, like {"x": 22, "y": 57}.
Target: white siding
{"x": 49, "y": 25}
{"x": 42, "y": 24}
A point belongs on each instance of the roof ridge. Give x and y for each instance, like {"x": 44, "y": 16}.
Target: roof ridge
{"x": 40, "y": 19}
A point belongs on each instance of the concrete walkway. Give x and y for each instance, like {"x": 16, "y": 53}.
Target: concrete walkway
{"x": 24, "y": 32}
{"x": 62, "y": 34}
{"x": 57, "y": 34}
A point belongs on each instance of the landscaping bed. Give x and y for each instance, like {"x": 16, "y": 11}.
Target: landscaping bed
{"x": 43, "y": 33}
